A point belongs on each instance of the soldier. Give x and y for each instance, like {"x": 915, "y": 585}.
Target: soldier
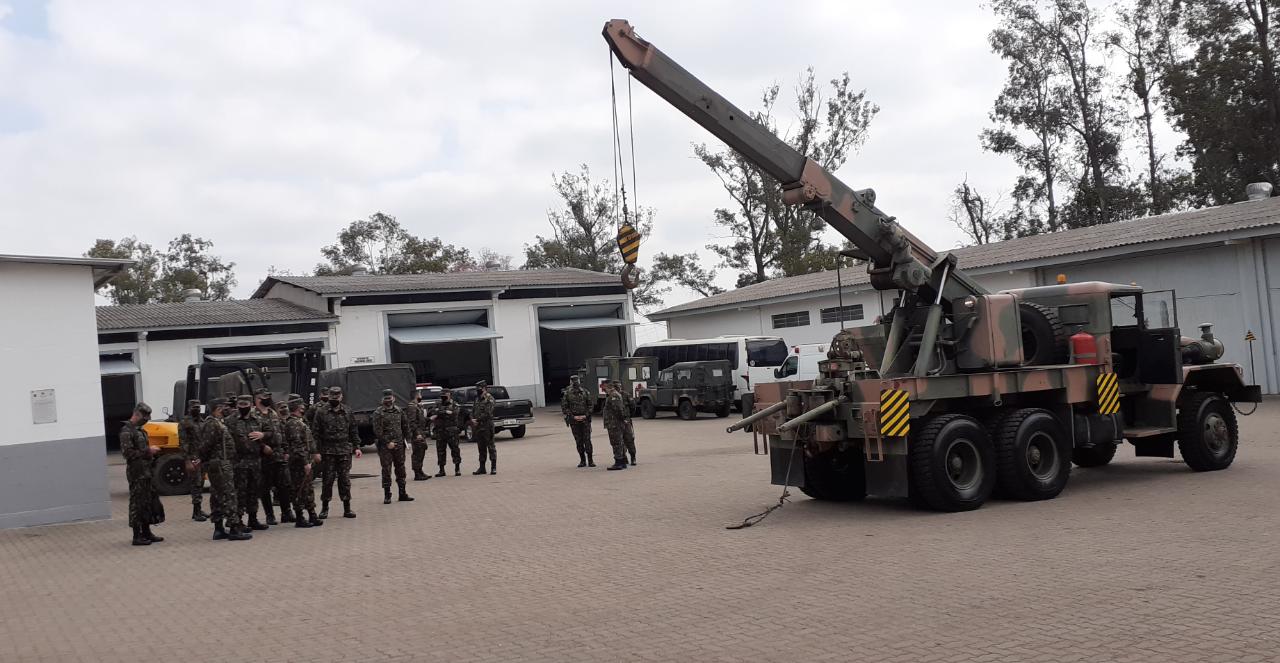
{"x": 217, "y": 456}
{"x": 275, "y": 468}
{"x": 417, "y": 421}
{"x": 310, "y": 415}
{"x": 628, "y": 430}
{"x": 138, "y": 455}
{"x": 337, "y": 436}
{"x": 576, "y": 405}
{"x": 300, "y": 448}
{"x": 390, "y": 430}
{"x": 614, "y": 412}
{"x": 482, "y": 428}
{"x": 189, "y": 441}
{"x": 449, "y": 421}
{"x": 251, "y": 446}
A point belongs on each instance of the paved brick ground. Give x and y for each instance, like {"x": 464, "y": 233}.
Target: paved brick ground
{"x": 1139, "y": 561}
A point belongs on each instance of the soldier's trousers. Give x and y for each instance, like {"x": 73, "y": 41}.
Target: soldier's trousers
{"x": 222, "y": 490}
{"x": 139, "y": 475}
{"x": 304, "y": 493}
{"x": 275, "y": 477}
{"x": 449, "y": 440}
{"x": 582, "y": 435}
{"x": 197, "y": 484}
{"x": 392, "y": 458}
{"x": 629, "y": 437}
{"x": 482, "y": 434}
{"x": 248, "y": 477}
{"x": 616, "y": 436}
{"x": 419, "y": 454}
{"x": 335, "y": 466}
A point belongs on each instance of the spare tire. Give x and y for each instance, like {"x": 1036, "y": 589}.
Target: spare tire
{"x": 1044, "y": 339}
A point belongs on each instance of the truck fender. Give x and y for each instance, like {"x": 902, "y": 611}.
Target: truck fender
{"x": 1226, "y": 379}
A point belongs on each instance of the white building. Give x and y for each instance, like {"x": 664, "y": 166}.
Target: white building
{"x": 52, "y": 456}
{"x": 1223, "y": 264}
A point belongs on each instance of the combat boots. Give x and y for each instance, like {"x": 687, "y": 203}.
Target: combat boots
{"x": 633, "y": 459}
{"x": 219, "y": 532}
{"x": 493, "y": 466}
{"x": 419, "y": 475}
{"x": 481, "y": 470}
{"x": 286, "y": 513}
{"x": 302, "y": 522}
{"x": 198, "y": 515}
{"x": 386, "y": 495}
{"x": 582, "y": 459}
{"x": 255, "y": 525}
{"x": 140, "y": 539}
{"x": 441, "y": 472}
{"x": 457, "y": 469}
{"x": 591, "y": 462}
{"x": 346, "y": 509}
{"x": 404, "y": 497}
{"x": 324, "y": 511}
{"x": 237, "y": 532}
{"x": 146, "y": 531}
{"x": 617, "y": 465}
{"x": 271, "y": 512}
{"x": 315, "y": 520}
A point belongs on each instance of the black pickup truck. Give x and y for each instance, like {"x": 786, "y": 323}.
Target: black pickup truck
{"x": 512, "y": 414}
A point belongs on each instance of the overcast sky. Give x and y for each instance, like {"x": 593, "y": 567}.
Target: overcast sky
{"x": 268, "y": 126}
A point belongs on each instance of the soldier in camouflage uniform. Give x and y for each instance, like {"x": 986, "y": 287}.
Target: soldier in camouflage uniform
{"x": 628, "y": 430}
{"x": 417, "y": 421}
{"x": 576, "y": 405}
{"x": 251, "y": 445}
{"x": 390, "y": 431}
{"x": 139, "y": 456}
{"x": 310, "y": 415}
{"x": 189, "y": 442}
{"x": 337, "y": 436}
{"x": 300, "y": 448}
{"x": 614, "y": 413}
{"x": 275, "y": 469}
{"x": 449, "y": 421}
{"x": 218, "y": 456}
{"x": 482, "y": 428}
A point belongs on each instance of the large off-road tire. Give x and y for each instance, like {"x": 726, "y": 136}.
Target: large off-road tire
{"x": 1095, "y": 456}
{"x": 1207, "y": 432}
{"x": 169, "y": 476}
{"x": 951, "y": 463}
{"x": 647, "y": 409}
{"x": 519, "y": 431}
{"x": 1033, "y": 456}
{"x": 687, "y": 411}
{"x": 723, "y": 410}
{"x": 1044, "y": 339}
{"x": 835, "y": 477}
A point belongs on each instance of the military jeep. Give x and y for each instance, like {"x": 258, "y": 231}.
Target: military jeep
{"x": 688, "y": 388}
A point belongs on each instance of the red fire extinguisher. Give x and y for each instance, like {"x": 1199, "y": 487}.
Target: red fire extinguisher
{"x": 1084, "y": 348}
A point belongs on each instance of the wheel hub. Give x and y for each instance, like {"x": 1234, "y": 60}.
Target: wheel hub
{"x": 1216, "y": 435}
{"x": 1042, "y": 456}
{"x": 962, "y": 463}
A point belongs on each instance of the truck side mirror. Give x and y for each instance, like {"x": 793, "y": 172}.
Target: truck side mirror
{"x": 777, "y": 373}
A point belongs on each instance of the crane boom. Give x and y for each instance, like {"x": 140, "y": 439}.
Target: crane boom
{"x": 897, "y": 259}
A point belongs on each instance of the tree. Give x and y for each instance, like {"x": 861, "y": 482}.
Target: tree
{"x": 767, "y": 238}
{"x": 164, "y": 277}
{"x": 383, "y": 246}
{"x": 139, "y": 284}
{"x": 684, "y": 270}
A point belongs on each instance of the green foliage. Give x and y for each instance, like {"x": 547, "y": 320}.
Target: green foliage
{"x": 383, "y": 246}
{"x": 162, "y": 277}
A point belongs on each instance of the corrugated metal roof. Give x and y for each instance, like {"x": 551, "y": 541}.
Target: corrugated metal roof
{"x": 1179, "y": 225}
{"x": 204, "y": 314}
{"x": 387, "y": 283}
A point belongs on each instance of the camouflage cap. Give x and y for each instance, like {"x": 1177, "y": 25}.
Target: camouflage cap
{"x": 387, "y": 393}
{"x": 335, "y": 390}
{"x": 218, "y": 402}
{"x": 261, "y": 391}
{"x": 244, "y": 398}
{"x": 324, "y": 394}
{"x": 291, "y": 397}
{"x": 142, "y": 408}
{"x": 192, "y": 402}
{"x": 482, "y": 384}
{"x": 575, "y": 378}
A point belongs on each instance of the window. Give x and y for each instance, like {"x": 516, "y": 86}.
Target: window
{"x": 717, "y": 373}
{"x": 684, "y": 374}
{"x": 1125, "y": 310}
{"x": 602, "y": 371}
{"x": 797, "y": 319}
{"x": 631, "y": 372}
{"x": 789, "y": 367}
{"x": 645, "y": 373}
{"x": 766, "y": 353}
{"x": 841, "y": 313}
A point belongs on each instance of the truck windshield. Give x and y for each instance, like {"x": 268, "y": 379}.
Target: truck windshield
{"x": 766, "y": 353}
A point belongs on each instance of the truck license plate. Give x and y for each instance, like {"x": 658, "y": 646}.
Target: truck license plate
{"x": 508, "y": 422}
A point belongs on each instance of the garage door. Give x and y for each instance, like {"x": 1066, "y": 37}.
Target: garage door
{"x": 447, "y": 348}
{"x": 570, "y": 335}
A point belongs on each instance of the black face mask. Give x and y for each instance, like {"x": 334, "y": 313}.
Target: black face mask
{"x": 333, "y": 402}
{"x": 142, "y": 421}
{"x": 244, "y": 411}
{"x": 266, "y": 402}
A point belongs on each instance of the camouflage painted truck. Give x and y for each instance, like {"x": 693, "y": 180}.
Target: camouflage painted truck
{"x": 957, "y": 392}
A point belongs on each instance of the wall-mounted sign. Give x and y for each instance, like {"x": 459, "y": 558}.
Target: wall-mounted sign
{"x": 44, "y": 407}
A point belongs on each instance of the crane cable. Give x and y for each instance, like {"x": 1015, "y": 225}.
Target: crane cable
{"x": 630, "y": 277}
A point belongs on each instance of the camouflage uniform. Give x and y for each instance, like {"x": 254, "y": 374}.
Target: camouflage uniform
{"x": 275, "y": 469}
{"x": 248, "y": 468}
{"x": 628, "y": 429}
{"x": 416, "y": 419}
{"x": 301, "y": 447}
{"x": 614, "y": 421}
{"x": 336, "y": 435}
{"x": 576, "y": 402}
{"x": 218, "y": 455}
{"x": 482, "y": 432}
{"x": 391, "y": 428}
{"x": 189, "y": 442}
{"x": 450, "y": 420}
{"x": 135, "y": 447}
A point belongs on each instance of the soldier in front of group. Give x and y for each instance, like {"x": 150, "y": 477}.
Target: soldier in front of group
{"x": 628, "y": 430}
{"x": 417, "y": 421}
{"x": 576, "y": 405}
{"x": 449, "y": 420}
{"x": 614, "y": 410}
{"x": 189, "y": 442}
{"x": 301, "y": 454}
{"x": 275, "y": 470}
{"x": 390, "y": 431}
{"x": 337, "y": 437}
{"x": 139, "y": 455}
{"x": 217, "y": 457}
{"x": 252, "y": 443}
{"x": 482, "y": 428}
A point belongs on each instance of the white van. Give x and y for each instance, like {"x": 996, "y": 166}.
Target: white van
{"x": 802, "y": 362}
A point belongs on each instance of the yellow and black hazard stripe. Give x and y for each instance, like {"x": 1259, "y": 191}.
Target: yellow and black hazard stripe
{"x": 629, "y": 243}
{"x": 895, "y": 413}
{"x": 1108, "y": 393}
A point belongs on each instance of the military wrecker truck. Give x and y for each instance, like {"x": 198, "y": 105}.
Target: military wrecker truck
{"x": 958, "y": 392}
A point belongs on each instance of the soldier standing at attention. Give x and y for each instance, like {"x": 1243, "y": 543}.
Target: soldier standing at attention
{"x": 337, "y": 437}
{"x": 251, "y": 446}
{"x": 300, "y": 448}
{"x": 614, "y": 413}
{"x": 138, "y": 455}
{"x": 275, "y": 468}
{"x": 417, "y": 421}
{"x": 482, "y": 429}
{"x": 576, "y": 405}
{"x": 189, "y": 442}
{"x": 628, "y": 430}
{"x": 217, "y": 455}
{"x": 449, "y": 421}
{"x": 310, "y": 415}
{"x": 390, "y": 431}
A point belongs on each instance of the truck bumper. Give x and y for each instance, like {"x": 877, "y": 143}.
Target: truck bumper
{"x": 511, "y": 422}
{"x": 885, "y": 477}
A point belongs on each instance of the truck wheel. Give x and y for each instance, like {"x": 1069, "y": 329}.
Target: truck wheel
{"x": 835, "y": 477}
{"x": 952, "y": 464}
{"x": 1095, "y": 456}
{"x": 1207, "y": 432}
{"x": 723, "y": 410}
{"x": 1044, "y": 339}
{"x": 687, "y": 411}
{"x": 1032, "y": 455}
{"x": 647, "y": 409}
{"x": 519, "y": 431}
{"x": 169, "y": 476}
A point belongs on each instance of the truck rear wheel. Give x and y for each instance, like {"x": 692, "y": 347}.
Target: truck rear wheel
{"x": 169, "y": 476}
{"x": 647, "y": 409}
{"x": 1207, "y": 432}
{"x": 1094, "y": 456}
{"x": 835, "y": 477}
{"x": 519, "y": 431}
{"x": 723, "y": 410}
{"x": 687, "y": 411}
{"x": 952, "y": 464}
{"x": 1032, "y": 455}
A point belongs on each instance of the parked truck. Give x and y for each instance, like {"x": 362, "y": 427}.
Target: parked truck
{"x": 956, "y": 390}
{"x": 690, "y": 387}
{"x": 634, "y": 373}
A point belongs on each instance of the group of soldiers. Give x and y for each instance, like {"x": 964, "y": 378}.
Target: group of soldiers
{"x": 577, "y": 405}
{"x": 266, "y": 453}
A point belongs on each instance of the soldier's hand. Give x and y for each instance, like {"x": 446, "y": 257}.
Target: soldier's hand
{"x": 190, "y": 466}
{"x": 391, "y": 445}
{"x": 286, "y": 456}
{"x": 255, "y": 435}
{"x": 581, "y": 417}
{"x": 266, "y": 450}
{"x": 359, "y": 453}
{"x": 315, "y": 458}
{"x": 153, "y": 450}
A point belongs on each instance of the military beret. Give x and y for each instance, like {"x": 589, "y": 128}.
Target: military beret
{"x": 142, "y": 407}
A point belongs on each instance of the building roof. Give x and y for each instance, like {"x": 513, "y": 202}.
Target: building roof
{"x": 402, "y": 283}
{"x": 177, "y": 315}
{"x": 104, "y": 269}
{"x": 1067, "y": 246}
